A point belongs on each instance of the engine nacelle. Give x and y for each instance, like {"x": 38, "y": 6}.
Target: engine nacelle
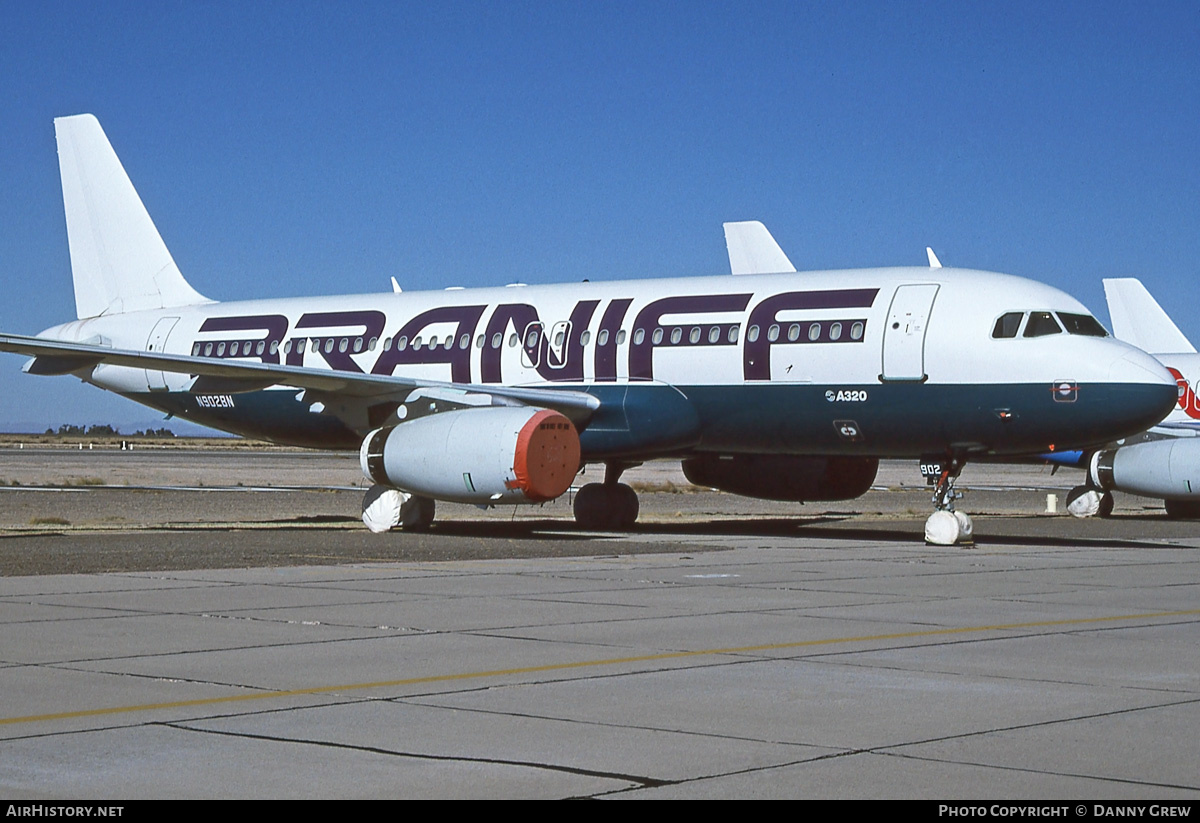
{"x": 784, "y": 477}
{"x": 1167, "y": 468}
{"x": 494, "y": 454}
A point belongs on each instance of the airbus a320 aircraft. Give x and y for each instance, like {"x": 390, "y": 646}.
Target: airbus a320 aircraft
{"x": 783, "y": 386}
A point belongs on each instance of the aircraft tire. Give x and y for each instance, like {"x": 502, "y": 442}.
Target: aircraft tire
{"x": 600, "y": 507}
{"x": 1106, "y": 505}
{"x": 626, "y": 504}
{"x": 417, "y": 514}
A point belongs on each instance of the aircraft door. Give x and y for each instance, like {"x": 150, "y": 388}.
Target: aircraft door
{"x": 156, "y": 380}
{"x": 904, "y": 334}
{"x": 531, "y": 345}
{"x": 558, "y": 344}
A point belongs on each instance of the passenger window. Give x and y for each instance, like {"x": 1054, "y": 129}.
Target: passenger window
{"x": 1007, "y": 325}
{"x": 602, "y": 337}
{"x": 1083, "y": 324}
{"x": 1041, "y": 323}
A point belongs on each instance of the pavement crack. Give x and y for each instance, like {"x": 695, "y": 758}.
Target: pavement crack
{"x": 640, "y": 781}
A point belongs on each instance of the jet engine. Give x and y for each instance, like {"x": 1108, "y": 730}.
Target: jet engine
{"x": 1169, "y": 469}
{"x": 490, "y": 455}
{"x": 784, "y": 477}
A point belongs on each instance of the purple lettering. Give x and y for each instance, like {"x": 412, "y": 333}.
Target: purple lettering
{"x": 764, "y": 331}
{"x": 265, "y": 348}
{"x": 649, "y": 333}
{"x": 465, "y": 318}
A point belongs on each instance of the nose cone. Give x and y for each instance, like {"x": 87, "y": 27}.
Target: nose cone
{"x": 1145, "y": 391}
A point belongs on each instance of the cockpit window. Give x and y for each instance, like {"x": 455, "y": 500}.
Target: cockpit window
{"x": 1041, "y": 323}
{"x": 1082, "y": 324}
{"x": 1007, "y": 324}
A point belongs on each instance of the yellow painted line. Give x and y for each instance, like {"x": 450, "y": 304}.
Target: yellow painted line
{"x": 582, "y": 664}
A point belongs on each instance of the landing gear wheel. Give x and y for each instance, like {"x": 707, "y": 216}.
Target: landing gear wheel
{"x": 1085, "y": 501}
{"x": 416, "y": 515}
{"x": 606, "y": 507}
{"x": 1106, "y": 505}
{"x": 385, "y": 508}
{"x": 627, "y": 505}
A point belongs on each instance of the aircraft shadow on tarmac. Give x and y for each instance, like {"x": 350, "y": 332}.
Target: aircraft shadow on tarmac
{"x": 999, "y": 533}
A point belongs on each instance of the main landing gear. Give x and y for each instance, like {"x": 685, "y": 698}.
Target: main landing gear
{"x": 385, "y": 508}
{"x": 945, "y": 526}
{"x": 607, "y": 506}
{"x": 1088, "y": 501}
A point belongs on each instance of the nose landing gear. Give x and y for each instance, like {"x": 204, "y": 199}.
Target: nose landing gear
{"x": 945, "y": 526}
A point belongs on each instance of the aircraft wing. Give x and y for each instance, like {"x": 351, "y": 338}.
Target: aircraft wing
{"x": 232, "y": 376}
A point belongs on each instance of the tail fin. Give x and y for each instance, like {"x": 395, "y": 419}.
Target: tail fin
{"x": 752, "y": 249}
{"x": 118, "y": 260}
{"x": 1138, "y": 319}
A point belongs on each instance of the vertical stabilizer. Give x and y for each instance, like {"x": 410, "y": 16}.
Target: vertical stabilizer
{"x": 752, "y": 250}
{"x": 1138, "y": 320}
{"x": 118, "y": 260}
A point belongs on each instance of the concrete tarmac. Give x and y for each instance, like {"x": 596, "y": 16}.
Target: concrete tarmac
{"x": 165, "y": 642}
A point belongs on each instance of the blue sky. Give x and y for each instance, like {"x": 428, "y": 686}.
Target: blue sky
{"x": 317, "y": 148}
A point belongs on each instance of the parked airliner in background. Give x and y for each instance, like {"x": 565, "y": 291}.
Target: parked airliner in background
{"x": 782, "y": 385}
{"x": 1163, "y": 462}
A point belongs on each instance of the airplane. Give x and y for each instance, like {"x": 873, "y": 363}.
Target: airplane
{"x": 1163, "y": 462}
{"x": 779, "y": 385}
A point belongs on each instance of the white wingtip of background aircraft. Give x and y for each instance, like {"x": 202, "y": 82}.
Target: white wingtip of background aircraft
{"x": 775, "y": 386}
{"x": 1164, "y": 462}
{"x": 752, "y": 250}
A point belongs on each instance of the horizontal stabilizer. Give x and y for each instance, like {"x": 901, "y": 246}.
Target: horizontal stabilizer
{"x": 118, "y": 260}
{"x": 752, "y": 250}
{"x": 1139, "y": 320}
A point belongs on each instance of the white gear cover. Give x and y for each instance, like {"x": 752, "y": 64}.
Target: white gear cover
{"x": 381, "y": 508}
{"x": 942, "y": 528}
{"x": 966, "y": 529}
{"x": 1085, "y": 504}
